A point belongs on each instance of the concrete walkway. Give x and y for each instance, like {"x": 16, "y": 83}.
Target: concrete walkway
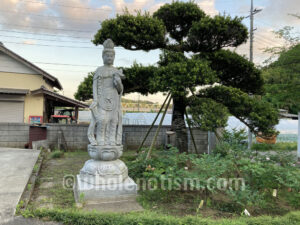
{"x": 16, "y": 166}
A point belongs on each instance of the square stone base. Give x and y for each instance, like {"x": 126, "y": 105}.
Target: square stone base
{"x": 91, "y": 194}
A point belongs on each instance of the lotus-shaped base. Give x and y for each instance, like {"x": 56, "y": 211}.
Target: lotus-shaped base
{"x": 105, "y": 152}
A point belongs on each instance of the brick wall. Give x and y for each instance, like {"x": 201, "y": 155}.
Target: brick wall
{"x": 75, "y": 136}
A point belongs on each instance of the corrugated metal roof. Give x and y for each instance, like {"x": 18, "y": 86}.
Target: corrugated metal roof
{"x": 59, "y": 97}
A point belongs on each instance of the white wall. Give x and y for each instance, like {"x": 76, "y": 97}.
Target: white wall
{"x": 8, "y": 64}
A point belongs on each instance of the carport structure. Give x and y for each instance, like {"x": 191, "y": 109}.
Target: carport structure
{"x": 53, "y": 99}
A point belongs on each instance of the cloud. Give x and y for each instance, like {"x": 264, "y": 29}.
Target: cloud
{"x": 17, "y": 15}
{"x": 276, "y": 11}
{"x": 274, "y": 16}
{"x": 120, "y": 5}
{"x": 208, "y": 6}
{"x": 155, "y": 7}
{"x": 53, "y": 16}
{"x": 29, "y": 42}
{"x": 263, "y": 38}
{"x": 82, "y": 16}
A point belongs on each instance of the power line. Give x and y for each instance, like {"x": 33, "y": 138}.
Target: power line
{"x": 40, "y": 39}
{"x": 79, "y": 7}
{"x": 64, "y": 64}
{"x": 51, "y": 16}
{"x": 58, "y": 64}
{"x": 266, "y": 39}
{"x": 52, "y": 35}
{"x": 46, "y": 28}
{"x": 67, "y": 6}
{"x": 60, "y": 46}
{"x": 81, "y": 71}
{"x": 78, "y": 71}
{"x": 268, "y": 24}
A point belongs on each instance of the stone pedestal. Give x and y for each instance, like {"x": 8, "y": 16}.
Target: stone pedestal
{"x": 104, "y": 181}
{"x": 92, "y": 194}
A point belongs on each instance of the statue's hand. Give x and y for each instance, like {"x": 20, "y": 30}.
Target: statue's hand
{"x": 117, "y": 80}
{"x": 93, "y": 105}
{"x": 119, "y": 73}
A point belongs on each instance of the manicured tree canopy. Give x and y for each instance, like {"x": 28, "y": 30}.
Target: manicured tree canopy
{"x": 283, "y": 80}
{"x": 179, "y": 28}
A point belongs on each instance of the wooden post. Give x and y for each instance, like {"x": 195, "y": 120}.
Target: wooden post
{"x": 191, "y": 132}
{"x": 148, "y": 132}
{"x": 76, "y": 114}
{"x": 158, "y": 129}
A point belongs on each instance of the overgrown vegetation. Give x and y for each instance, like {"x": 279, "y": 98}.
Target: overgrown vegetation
{"x": 281, "y": 146}
{"x": 75, "y": 217}
{"x": 195, "y": 178}
{"x": 192, "y": 187}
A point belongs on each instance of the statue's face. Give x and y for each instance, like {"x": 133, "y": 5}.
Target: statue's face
{"x": 108, "y": 58}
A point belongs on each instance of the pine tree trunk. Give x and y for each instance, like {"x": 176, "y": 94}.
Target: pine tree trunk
{"x": 178, "y": 124}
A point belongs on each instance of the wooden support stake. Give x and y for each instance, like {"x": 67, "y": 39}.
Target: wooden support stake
{"x": 150, "y": 128}
{"x": 191, "y": 132}
{"x": 158, "y": 129}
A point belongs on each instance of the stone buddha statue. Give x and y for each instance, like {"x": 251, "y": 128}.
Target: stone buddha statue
{"x": 105, "y": 176}
{"x": 106, "y": 107}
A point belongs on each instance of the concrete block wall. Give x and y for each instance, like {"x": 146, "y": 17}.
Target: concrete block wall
{"x": 134, "y": 135}
{"x": 75, "y": 136}
{"x": 201, "y": 140}
{"x": 14, "y": 135}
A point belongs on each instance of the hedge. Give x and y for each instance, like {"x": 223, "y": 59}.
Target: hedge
{"x": 76, "y": 217}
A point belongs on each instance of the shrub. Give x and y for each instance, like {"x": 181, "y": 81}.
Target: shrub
{"x": 56, "y": 154}
{"x": 231, "y": 141}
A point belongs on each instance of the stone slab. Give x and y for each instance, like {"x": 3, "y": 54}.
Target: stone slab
{"x": 121, "y": 206}
{"x": 16, "y": 166}
{"x": 104, "y": 193}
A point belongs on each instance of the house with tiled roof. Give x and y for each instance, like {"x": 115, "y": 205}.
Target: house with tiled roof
{"x": 27, "y": 93}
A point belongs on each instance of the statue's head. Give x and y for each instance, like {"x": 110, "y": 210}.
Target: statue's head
{"x": 108, "y": 53}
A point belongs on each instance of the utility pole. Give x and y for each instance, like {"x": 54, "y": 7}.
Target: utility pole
{"x": 251, "y": 31}
{"x": 252, "y": 13}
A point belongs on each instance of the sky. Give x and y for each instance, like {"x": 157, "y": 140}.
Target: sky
{"x": 56, "y": 34}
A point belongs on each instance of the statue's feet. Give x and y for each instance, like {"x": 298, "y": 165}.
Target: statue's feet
{"x": 112, "y": 143}
{"x": 94, "y": 143}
